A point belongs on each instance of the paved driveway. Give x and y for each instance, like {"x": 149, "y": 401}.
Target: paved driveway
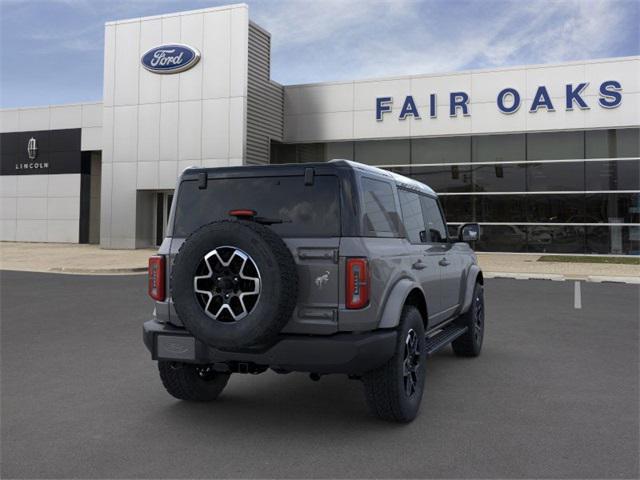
{"x": 554, "y": 394}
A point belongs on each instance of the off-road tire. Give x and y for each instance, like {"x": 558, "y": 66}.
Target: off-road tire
{"x": 279, "y": 284}
{"x": 470, "y": 343}
{"x": 384, "y": 387}
{"x": 190, "y": 382}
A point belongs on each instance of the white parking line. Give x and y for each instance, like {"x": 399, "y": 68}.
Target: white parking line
{"x": 577, "y": 296}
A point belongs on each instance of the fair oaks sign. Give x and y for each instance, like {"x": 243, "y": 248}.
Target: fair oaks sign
{"x": 508, "y": 100}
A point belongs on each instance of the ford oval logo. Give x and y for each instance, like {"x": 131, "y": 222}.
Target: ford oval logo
{"x": 171, "y": 58}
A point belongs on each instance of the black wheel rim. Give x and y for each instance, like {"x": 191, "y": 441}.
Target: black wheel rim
{"x": 478, "y": 321}
{"x": 205, "y": 372}
{"x": 411, "y": 362}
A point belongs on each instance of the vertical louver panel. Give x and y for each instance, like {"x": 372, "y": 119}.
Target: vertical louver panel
{"x": 265, "y": 100}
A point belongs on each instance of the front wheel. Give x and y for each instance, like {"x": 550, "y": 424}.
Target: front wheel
{"x": 198, "y": 383}
{"x": 394, "y": 391}
{"x": 470, "y": 343}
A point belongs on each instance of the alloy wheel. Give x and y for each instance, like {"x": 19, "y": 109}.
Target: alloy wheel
{"x": 411, "y": 362}
{"x": 227, "y": 284}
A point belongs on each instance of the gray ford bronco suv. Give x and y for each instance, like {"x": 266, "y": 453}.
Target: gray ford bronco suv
{"x": 333, "y": 267}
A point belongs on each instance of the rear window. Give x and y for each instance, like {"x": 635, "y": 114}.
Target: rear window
{"x": 306, "y": 210}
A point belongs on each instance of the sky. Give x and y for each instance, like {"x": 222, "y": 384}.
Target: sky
{"x": 51, "y": 51}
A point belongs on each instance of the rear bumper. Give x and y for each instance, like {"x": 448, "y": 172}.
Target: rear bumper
{"x": 340, "y": 353}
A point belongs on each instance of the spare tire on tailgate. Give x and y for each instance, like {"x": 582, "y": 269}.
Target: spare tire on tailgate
{"x": 234, "y": 284}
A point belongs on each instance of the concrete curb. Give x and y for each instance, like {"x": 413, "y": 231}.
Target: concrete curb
{"x": 600, "y": 278}
{"x": 561, "y": 278}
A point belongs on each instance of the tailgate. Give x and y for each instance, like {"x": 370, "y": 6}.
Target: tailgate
{"x": 318, "y": 285}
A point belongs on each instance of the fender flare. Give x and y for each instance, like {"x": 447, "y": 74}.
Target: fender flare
{"x": 396, "y": 299}
{"x": 475, "y": 274}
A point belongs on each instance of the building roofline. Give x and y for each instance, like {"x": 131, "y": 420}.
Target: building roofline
{"x": 179, "y": 14}
{"x": 467, "y": 72}
{"x": 53, "y": 105}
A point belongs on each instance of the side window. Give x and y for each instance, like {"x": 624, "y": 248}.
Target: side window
{"x": 436, "y": 230}
{"x": 380, "y": 215}
{"x": 412, "y": 216}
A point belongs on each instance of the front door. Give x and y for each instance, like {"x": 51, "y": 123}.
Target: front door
{"x": 447, "y": 262}
{"x": 424, "y": 264}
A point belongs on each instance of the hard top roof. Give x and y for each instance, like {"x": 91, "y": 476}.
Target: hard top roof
{"x": 320, "y": 167}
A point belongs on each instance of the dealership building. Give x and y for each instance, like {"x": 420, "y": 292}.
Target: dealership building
{"x": 544, "y": 157}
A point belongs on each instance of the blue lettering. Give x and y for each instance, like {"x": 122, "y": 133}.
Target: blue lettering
{"x": 610, "y": 96}
{"x": 573, "y": 95}
{"x": 542, "y": 99}
{"x": 505, "y": 93}
{"x": 409, "y": 108}
{"x": 458, "y": 99}
{"x": 383, "y": 104}
{"x": 433, "y": 106}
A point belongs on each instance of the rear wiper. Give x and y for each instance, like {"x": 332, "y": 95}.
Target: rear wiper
{"x": 245, "y": 214}
{"x": 267, "y": 221}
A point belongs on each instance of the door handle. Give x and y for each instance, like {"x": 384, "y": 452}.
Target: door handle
{"x": 443, "y": 262}
{"x": 419, "y": 265}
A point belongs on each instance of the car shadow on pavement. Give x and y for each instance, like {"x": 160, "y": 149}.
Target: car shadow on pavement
{"x": 287, "y": 403}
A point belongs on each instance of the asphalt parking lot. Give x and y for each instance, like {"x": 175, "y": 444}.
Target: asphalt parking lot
{"x": 554, "y": 394}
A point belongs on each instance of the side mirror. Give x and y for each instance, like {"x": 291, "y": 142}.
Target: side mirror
{"x": 469, "y": 232}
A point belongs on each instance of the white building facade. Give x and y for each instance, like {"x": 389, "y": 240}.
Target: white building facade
{"x": 545, "y": 157}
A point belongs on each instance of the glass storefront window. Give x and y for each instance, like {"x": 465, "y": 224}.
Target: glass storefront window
{"x": 501, "y": 208}
{"x": 555, "y": 145}
{"x": 549, "y": 177}
{"x": 310, "y": 152}
{"x": 339, "y": 150}
{"x": 613, "y": 240}
{"x": 499, "y": 178}
{"x": 612, "y": 143}
{"x": 283, "y": 153}
{"x": 613, "y": 207}
{"x": 499, "y": 148}
{"x": 613, "y": 175}
{"x": 556, "y": 239}
{"x": 458, "y": 208}
{"x": 454, "y": 178}
{"x": 555, "y": 208}
{"x": 441, "y": 150}
{"x": 502, "y": 238}
{"x": 383, "y": 152}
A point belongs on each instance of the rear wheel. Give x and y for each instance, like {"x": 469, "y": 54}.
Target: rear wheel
{"x": 470, "y": 344}
{"x": 394, "y": 391}
{"x": 198, "y": 383}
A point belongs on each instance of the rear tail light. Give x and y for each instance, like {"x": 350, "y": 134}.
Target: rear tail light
{"x": 357, "y": 283}
{"x": 156, "y": 277}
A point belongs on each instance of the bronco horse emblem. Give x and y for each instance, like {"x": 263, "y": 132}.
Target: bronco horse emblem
{"x": 322, "y": 279}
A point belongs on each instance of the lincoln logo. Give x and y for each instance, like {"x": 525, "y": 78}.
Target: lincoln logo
{"x": 32, "y": 149}
{"x": 173, "y": 58}
{"x": 32, "y": 154}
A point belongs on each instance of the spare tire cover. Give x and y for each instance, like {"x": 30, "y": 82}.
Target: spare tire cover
{"x": 234, "y": 284}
